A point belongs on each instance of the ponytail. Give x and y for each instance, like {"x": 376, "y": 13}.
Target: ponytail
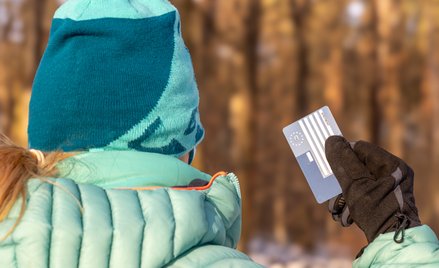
{"x": 17, "y": 166}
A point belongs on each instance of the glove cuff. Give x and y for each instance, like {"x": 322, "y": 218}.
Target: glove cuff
{"x": 400, "y": 222}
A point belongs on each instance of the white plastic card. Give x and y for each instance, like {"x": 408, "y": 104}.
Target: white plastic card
{"x": 306, "y": 138}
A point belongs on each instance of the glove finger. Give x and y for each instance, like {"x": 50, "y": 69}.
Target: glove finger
{"x": 380, "y": 162}
{"x": 344, "y": 162}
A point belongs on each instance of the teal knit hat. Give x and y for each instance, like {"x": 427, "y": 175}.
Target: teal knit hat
{"x": 116, "y": 75}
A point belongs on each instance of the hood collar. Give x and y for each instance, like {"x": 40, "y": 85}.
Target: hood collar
{"x": 115, "y": 169}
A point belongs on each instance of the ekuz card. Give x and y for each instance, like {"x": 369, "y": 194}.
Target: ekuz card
{"x": 306, "y": 138}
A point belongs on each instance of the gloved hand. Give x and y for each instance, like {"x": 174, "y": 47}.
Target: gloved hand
{"x": 377, "y": 188}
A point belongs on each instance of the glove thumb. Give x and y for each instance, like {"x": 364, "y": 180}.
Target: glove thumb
{"x": 345, "y": 164}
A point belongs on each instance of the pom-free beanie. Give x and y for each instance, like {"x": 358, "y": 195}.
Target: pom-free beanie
{"x": 116, "y": 75}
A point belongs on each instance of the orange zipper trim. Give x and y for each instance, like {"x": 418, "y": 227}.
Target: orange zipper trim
{"x": 199, "y": 188}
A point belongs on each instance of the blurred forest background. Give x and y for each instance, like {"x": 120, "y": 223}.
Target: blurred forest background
{"x": 262, "y": 64}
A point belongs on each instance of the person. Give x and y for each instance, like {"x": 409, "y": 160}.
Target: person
{"x": 378, "y": 196}
{"x": 113, "y": 128}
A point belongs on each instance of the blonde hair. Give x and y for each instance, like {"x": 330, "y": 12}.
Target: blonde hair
{"x": 17, "y": 166}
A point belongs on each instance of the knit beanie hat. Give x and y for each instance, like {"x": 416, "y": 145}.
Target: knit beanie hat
{"x": 116, "y": 75}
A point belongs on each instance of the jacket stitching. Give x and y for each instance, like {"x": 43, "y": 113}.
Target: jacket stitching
{"x": 82, "y": 225}
{"x": 51, "y": 225}
{"x": 112, "y": 228}
{"x": 175, "y": 224}
{"x": 143, "y": 228}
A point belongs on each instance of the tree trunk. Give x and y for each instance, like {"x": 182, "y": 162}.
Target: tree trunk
{"x": 390, "y": 60}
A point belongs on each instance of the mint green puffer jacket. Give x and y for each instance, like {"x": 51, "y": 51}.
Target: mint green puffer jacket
{"x": 419, "y": 249}
{"x": 102, "y": 212}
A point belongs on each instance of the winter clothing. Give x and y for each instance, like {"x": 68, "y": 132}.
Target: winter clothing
{"x": 377, "y": 186}
{"x": 378, "y": 196}
{"x": 131, "y": 216}
{"x": 420, "y": 248}
{"x": 116, "y": 75}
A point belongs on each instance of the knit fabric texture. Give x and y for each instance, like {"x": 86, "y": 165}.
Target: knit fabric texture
{"x": 116, "y": 75}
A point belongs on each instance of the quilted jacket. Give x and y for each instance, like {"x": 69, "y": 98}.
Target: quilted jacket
{"x": 122, "y": 209}
{"x": 419, "y": 249}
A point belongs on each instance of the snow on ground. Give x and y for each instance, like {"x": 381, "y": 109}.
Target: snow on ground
{"x": 275, "y": 255}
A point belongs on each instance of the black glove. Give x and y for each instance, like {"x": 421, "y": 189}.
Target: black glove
{"x": 377, "y": 188}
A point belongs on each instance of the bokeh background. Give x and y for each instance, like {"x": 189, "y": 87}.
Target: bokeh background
{"x": 262, "y": 64}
